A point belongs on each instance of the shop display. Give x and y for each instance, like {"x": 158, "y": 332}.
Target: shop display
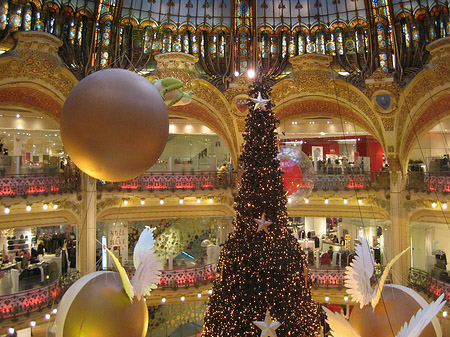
{"x": 114, "y": 125}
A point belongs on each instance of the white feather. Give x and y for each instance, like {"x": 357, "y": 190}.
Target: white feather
{"x": 147, "y": 273}
{"x": 357, "y": 276}
{"x": 422, "y": 319}
{"x": 144, "y": 243}
{"x": 339, "y": 326}
{"x": 377, "y": 295}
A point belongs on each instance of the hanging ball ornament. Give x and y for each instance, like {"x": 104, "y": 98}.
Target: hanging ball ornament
{"x": 397, "y": 306}
{"x": 97, "y": 305}
{"x": 298, "y": 174}
{"x": 114, "y": 125}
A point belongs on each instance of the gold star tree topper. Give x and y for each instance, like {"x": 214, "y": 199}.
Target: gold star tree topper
{"x": 263, "y": 223}
{"x": 268, "y": 326}
{"x": 260, "y": 102}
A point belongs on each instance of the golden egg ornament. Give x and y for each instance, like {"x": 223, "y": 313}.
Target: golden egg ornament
{"x": 397, "y": 306}
{"x": 114, "y": 125}
{"x": 97, "y": 306}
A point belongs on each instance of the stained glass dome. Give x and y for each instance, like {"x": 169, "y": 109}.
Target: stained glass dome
{"x": 231, "y": 37}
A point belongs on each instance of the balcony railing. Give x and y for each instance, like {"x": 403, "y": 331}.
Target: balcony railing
{"x": 183, "y": 278}
{"x": 172, "y": 181}
{"x": 28, "y": 301}
{"x": 422, "y": 281}
{"x": 348, "y": 181}
{"x": 21, "y": 185}
{"x": 428, "y": 182}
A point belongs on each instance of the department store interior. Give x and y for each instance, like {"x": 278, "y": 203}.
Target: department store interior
{"x": 375, "y": 170}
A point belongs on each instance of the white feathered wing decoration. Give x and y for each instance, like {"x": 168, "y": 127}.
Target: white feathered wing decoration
{"x": 358, "y": 274}
{"x": 357, "y": 280}
{"x": 145, "y": 242}
{"x": 422, "y": 319}
{"x": 340, "y": 327}
{"x": 147, "y": 265}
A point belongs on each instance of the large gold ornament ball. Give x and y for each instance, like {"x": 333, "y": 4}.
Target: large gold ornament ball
{"x": 114, "y": 125}
{"x": 97, "y": 306}
{"x": 397, "y": 306}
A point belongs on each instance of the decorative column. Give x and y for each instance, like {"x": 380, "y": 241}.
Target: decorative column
{"x": 87, "y": 229}
{"x": 400, "y": 229}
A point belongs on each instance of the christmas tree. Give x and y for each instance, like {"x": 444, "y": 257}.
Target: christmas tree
{"x": 262, "y": 288}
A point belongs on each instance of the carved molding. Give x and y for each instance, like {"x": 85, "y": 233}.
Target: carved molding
{"x": 35, "y": 58}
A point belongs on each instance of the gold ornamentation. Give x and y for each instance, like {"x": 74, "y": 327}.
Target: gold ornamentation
{"x": 388, "y": 123}
{"x": 35, "y": 58}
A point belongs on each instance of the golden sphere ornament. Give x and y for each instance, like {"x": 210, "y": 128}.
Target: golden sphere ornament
{"x": 397, "y": 306}
{"x": 114, "y": 125}
{"x": 97, "y": 306}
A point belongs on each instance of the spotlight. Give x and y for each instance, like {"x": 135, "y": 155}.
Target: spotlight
{"x": 7, "y": 210}
{"x": 199, "y": 200}
{"x": 182, "y": 298}
{"x": 163, "y": 300}
{"x": 251, "y": 73}
{"x": 47, "y": 317}
{"x": 32, "y": 324}
{"x": 444, "y": 314}
{"x": 345, "y": 201}
{"x": 210, "y": 291}
{"x": 45, "y": 207}
{"x": 346, "y": 298}
{"x": 434, "y": 205}
{"x": 360, "y": 201}
{"x": 236, "y": 73}
{"x": 210, "y": 200}
{"x": 142, "y": 202}
{"x": 181, "y": 201}
{"x": 306, "y": 201}
{"x": 327, "y": 299}
{"x": 161, "y": 201}
{"x": 28, "y": 208}
{"x": 444, "y": 205}
{"x": 55, "y": 206}
{"x": 199, "y": 295}
{"x": 289, "y": 200}
{"x": 125, "y": 202}
{"x": 326, "y": 201}
{"x": 17, "y": 115}
{"x": 54, "y": 311}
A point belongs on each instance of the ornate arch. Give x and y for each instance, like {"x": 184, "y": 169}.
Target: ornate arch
{"x": 436, "y": 109}
{"x": 199, "y": 112}
{"x": 321, "y": 107}
{"x": 32, "y": 99}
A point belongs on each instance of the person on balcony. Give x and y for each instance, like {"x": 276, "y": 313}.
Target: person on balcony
{"x": 222, "y": 174}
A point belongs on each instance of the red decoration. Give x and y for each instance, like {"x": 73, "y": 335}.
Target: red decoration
{"x": 292, "y": 176}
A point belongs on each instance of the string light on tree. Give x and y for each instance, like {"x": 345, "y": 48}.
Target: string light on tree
{"x": 262, "y": 271}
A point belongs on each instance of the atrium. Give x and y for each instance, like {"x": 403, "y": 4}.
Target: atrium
{"x": 361, "y": 89}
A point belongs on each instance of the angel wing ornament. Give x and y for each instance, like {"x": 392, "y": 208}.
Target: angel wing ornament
{"x": 146, "y": 263}
{"x": 340, "y": 327}
{"x": 357, "y": 280}
{"x": 358, "y": 274}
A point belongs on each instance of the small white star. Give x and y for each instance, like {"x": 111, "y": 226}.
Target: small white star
{"x": 268, "y": 326}
{"x": 260, "y": 102}
{"x": 263, "y": 223}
